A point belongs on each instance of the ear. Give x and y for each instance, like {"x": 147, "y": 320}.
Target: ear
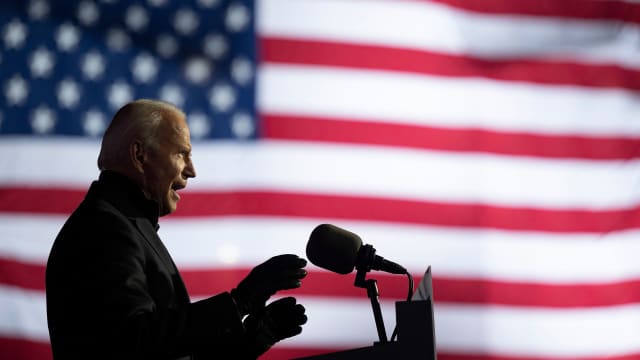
{"x": 138, "y": 155}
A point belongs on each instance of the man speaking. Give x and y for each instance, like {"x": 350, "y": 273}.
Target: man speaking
{"x": 113, "y": 291}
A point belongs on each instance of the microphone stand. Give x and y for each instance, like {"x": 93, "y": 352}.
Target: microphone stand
{"x": 365, "y": 257}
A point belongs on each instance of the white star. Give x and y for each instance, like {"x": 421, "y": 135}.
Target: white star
{"x": 38, "y": 9}
{"x": 67, "y": 37}
{"x": 208, "y": 3}
{"x": 93, "y": 65}
{"x": 118, "y": 40}
{"x": 41, "y": 63}
{"x": 119, "y": 93}
{"x": 43, "y": 120}
{"x": 242, "y": 125}
{"x": 198, "y": 70}
{"x": 16, "y": 90}
{"x": 241, "y": 70}
{"x": 157, "y": 3}
{"x": 222, "y": 97}
{"x": 173, "y": 94}
{"x": 215, "y": 45}
{"x": 68, "y": 93}
{"x": 186, "y": 21}
{"x": 136, "y": 18}
{"x": 237, "y": 18}
{"x": 166, "y": 45}
{"x": 144, "y": 68}
{"x": 94, "y": 122}
{"x": 198, "y": 125}
{"x": 88, "y": 13}
{"x": 15, "y": 33}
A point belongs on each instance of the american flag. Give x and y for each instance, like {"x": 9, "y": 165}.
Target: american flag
{"x": 497, "y": 141}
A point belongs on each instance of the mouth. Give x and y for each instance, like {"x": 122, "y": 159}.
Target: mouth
{"x": 176, "y": 187}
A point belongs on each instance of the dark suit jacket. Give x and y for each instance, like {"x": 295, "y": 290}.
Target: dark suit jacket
{"x": 113, "y": 291}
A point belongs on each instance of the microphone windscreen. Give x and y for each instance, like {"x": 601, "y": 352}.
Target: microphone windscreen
{"x": 333, "y": 248}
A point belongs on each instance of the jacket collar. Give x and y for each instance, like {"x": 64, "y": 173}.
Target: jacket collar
{"x": 125, "y": 195}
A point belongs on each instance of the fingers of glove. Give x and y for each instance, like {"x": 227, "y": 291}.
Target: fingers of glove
{"x": 281, "y": 272}
{"x": 290, "y": 280}
{"x": 281, "y": 305}
{"x": 298, "y": 314}
{"x": 279, "y": 320}
{"x": 286, "y": 312}
{"x": 286, "y": 266}
{"x": 291, "y": 331}
{"x": 284, "y": 262}
{"x": 278, "y": 273}
{"x": 280, "y": 329}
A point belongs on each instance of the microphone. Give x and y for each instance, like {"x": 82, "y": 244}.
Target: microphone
{"x": 339, "y": 250}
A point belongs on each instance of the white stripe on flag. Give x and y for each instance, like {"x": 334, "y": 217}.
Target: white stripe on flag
{"x": 510, "y": 255}
{"x": 395, "y": 97}
{"x": 23, "y": 313}
{"x": 349, "y": 323}
{"x": 360, "y": 171}
{"x": 431, "y": 26}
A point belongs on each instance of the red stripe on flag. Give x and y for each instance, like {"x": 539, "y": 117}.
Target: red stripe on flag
{"x": 22, "y": 274}
{"x": 281, "y": 351}
{"x": 207, "y": 282}
{"x": 469, "y": 215}
{"x": 24, "y": 349}
{"x": 284, "y": 352}
{"x": 290, "y": 353}
{"x": 447, "y": 355}
{"x": 265, "y": 203}
{"x": 445, "y": 289}
{"x": 556, "y": 72}
{"x": 483, "y": 291}
{"x": 306, "y": 128}
{"x": 46, "y": 200}
{"x": 572, "y": 9}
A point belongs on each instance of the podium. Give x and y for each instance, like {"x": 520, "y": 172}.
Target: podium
{"x": 341, "y": 251}
{"x": 416, "y": 337}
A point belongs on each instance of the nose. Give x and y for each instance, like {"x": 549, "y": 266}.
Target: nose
{"x": 189, "y": 170}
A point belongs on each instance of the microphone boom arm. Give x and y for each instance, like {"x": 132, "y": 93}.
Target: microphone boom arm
{"x": 365, "y": 255}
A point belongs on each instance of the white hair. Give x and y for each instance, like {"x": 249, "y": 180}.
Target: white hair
{"x": 137, "y": 120}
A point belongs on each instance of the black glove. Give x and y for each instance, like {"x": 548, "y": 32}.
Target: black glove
{"x": 279, "y": 320}
{"x": 278, "y": 273}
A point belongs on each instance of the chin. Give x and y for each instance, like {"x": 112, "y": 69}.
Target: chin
{"x": 170, "y": 208}
{"x": 166, "y": 209}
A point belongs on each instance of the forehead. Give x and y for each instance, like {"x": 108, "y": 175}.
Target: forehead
{"x": 173, "y": 129}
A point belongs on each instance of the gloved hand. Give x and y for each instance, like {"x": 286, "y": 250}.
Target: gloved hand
{"x": 278, "y": 273}
{"x": 279, "y": 320}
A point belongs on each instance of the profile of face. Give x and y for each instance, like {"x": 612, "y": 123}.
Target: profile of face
{"x": 167, "y": 165}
